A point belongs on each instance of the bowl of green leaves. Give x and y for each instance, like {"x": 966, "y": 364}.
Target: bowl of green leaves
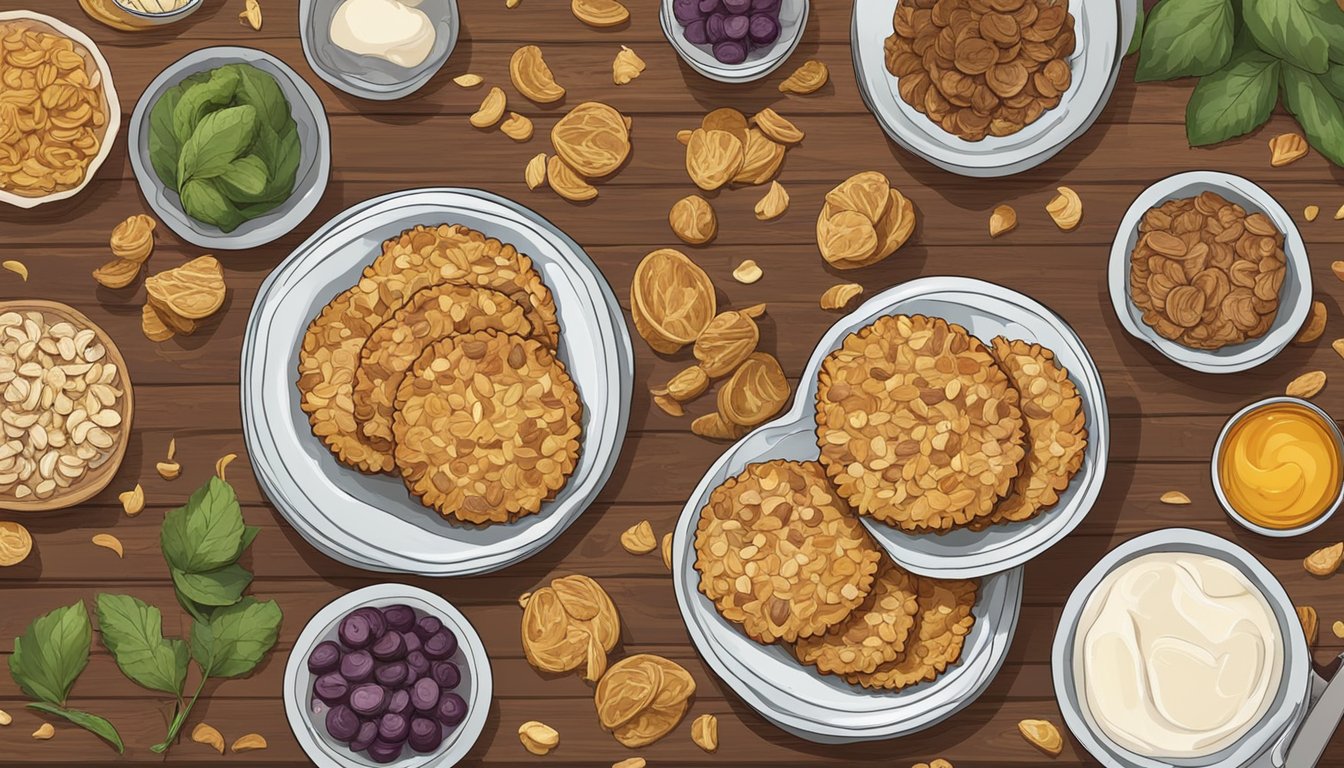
{"x": 231, "y": 148}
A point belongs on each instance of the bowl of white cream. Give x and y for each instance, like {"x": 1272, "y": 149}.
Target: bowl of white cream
{"x": 1180, "y": 649}
{"x": 378, "y": 49}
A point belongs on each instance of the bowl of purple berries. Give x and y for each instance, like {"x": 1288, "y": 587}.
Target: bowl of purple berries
{"x": 388, "y": 674}
{"x": 734, "y": 41}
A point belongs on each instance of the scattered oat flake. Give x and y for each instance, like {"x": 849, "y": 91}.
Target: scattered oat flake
{"x": 1311, "y": 212}
{"x": 468, "y": 80}
{"x": 1175, "y": 497}
{"x": 511, "y": 3}
{"x": 667, "y": 550}
{"x": 132, "y": 501}
{"x": 1338, "y": 268}
{"x": 638, "y": 538}
{"x": 17, "y": 267}
{"x": 1043, "y": 735}
{"x": 1338, "y": 346}
{"x": 249, "y": 742}
{"x": 172, "y": 448}
{"x": 223, "y": 464}
{"x": 46, "y": 730}
{"x": 627, "y": 66}
{"x": 108, "y": 541}
{"x": 208, "y": 735}
{"x": 1307, "y": 385}
{"x": 1286, "y": 148}
{"x": 669, "y": 406}
{"x": 1339, "y": 213}
{"x": 168, "y": 470}
{"x": 839, "y": 296}
{"x": 5, "y": 719}
{"x": 747, "y": 272}
{"x": 1338, "y": 629}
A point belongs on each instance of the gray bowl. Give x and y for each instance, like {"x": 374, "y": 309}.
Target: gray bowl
{"x": 314, "y": 141}
{"x": 369, "y": 77}
{"x": 760, "y": 61}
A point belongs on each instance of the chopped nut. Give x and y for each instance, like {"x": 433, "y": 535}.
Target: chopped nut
{"x": 715, "y": 427}
{"x": 1338, "y": 268}
{"x": 223, "y": 464}
{"x": 172, "y": 448}
{"x": 1066, "y": 208}
{"x": 1338, "y": 629}
{"x": 491, "y": 110}
{"x": 1002, "y": 221}
{"x": 1324, "y": 561}
{"x": 630, "y": 762}
{"x": 1314, "y": 326}
{"x": 667, "y": 550}
{"x": 1338, "y": 346}
{"x": 638, "y": 539}
{"x": 1043, "y": 735}
{"x": 839, "y": 296}
{"x": 168, "y": 470}
{"x": 566, "y": 182}
{"x": 774, "y": 204}
{"x": 669, "y": 406}
{"x": 1286, "y": 148}
{"x": 705, "y": 732}
{"x": 1175, "y": 497}
{"x": 627, "y": 66}
{"x": 108, "y": 541}
{"x": 777, "y": 128}
{"x": 1311, "y": 212}
{"x": 809, "y": 78}
{"x": 1307, "y": 385}
{"x": 517, "y": 127}
{"x": 209, "y": 736}
{"x": 1310, "y": 623}
{"x": 17, "y": 267}
{"x": 5, "y": 719}
{"x": 747, "y": 272}
{"x": 537, "y": 737}
{"x": 511, "y": 3}
{"x": 1339, "y": 213}
{"x": 468, "y": 80}
{"x": 249, "y": 742}
{"x": 690, "y": 383}
{"x": 117, "y": 274}
{"x": 251, "y": 15}
{"x": 599, "y": 13}
{"x": 532, "y": 77}
{"x": 535, "y": 172}
{"x": 693, "y": 220}
{"x": 46, "y": 731}
{"x": 133, "y": 501}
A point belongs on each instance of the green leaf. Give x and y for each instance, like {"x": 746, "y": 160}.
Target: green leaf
{"x": 94, "y": 724}
{"x": 1233, "y": 101}
{"x": 1331, "y": 23}
{"x": 259, "y": 89}
{"x": 1308, "y": 98}
{"x": 219, "y": 139}
{"x": 244, "y": 180}
{"x": 249, "y": 535}
{"x": 1137, "y": 39}
{"x": 220, "y": 587}
{"x": 1333, "y": 80}
{"x": 163, "y": 144}
{"x": 1289, "y": 30}
{"x": 51, "y": 653}
{"x": 201, "y": 98}
{"x": 236, "y": 638}
{"x": 1186, "y": 37}
{"x": 205, "y": 534}
{"x": 133, "y": 632}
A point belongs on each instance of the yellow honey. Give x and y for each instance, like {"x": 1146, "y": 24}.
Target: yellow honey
{"x": 1280, "y": 466}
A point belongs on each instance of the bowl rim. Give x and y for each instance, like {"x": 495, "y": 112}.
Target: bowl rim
{"x": 747, "y": 71}
{"x": 109, "y": 94}
{"x": 1254, "y": 352}
{"x": 373, "y": 91}
{"x": 1216, "y": 476}
{"x": 165, "y": 17}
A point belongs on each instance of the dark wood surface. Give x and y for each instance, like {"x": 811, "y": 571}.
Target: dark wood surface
{"x": 1164, "y": 418}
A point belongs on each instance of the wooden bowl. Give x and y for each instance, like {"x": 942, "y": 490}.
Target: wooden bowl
{"x": 95, "y": 480}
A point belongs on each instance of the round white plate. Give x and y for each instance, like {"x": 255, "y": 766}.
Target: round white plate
{"x": 1294, "y": 296}
{"x": 1103, "y": 30}
{"x": 371, "y": 521}
{"x": 760, "y": 62}
{"x": 476, "y": 687}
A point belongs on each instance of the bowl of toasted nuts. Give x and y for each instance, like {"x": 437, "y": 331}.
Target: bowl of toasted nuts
{"x": 65, "y": 406}
{"x": 56, "y": 149}
{"x": 734, "y": 41}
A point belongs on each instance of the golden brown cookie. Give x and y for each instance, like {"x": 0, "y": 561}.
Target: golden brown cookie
{"x": 875, "y": 633}
{"x": 487, "y": 427}
{"x": 1056, "y": 431}
{"x": 918, "y": 426}
{"x": 942, "y": 623}
{"x": 642, "y": 698}
{"x": 780, "y": 554}
{"x": 431, "y": 314}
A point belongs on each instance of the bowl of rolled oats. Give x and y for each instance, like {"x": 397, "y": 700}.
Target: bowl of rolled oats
{"x": 65, "y": 406}
{"x": 61, "y": 114}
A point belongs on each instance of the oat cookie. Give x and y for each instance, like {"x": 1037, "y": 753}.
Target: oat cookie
{"x": 442, "y": 310}
{"x": 780, "y": 554}
{"x": 1056, "y": 431}
{"x": 487, "y": 427}
{"x": 941, "y": 625}
{"x": 918, "y": 427}
{"x": 875, "y": 633}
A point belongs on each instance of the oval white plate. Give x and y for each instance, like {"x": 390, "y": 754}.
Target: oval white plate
{"x": 1100, "y": 28}
{"x": 760, "y": 62}
{"x": 1294, "y": 296}
{"x": 371, "y": 521}
{"x": 476, "y": 688}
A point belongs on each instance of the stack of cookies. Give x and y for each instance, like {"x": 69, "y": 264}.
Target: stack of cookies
{"x": 440, "y": 365}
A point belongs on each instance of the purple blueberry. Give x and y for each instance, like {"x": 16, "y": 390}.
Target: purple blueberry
{"x": 377, "y": 624}
{"x": 426, "y": 735}
{"x": 393, "y": 729}
{"x": 368, "y": 731}
{"x": 368, "y": 700}
{"x": 709, "y": 6}
{"x": 331, "y": 688}
{"x": 393, "y": 675}
{"x": 696, "y": 34}
{"x": 686, "y": 11}
{"x": 425, "y": 694}
{"x": 452, "y": 709}
{"x": 399, "y": 618}
{"x": 730, "y": 52}
{"x": 419, "y": 664}
{"x": 737, "y": 6}
{"x": 399, "y": 703}
{"x": 441, "y": 644}
{"x": 446, "y": 674}
{"x": 427, "y": 626}
{"x": 389, "y": 647}
{"x": 382, "y": 752}
{"x": 413, "y": 642}
{"x": 326, "y": 657}
{"x": 342, "y": 723}
{"x": 355, "y": 631}
{"x": 764, "y": 29}
{"x": 765, "y": 6}
{"x": 714, "y": 28}
{"x": 357, "y": 667}
{"x": 736, "y": 27}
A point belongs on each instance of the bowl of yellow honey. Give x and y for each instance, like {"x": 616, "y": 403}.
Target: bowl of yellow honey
{"x": 1278, "y": 467}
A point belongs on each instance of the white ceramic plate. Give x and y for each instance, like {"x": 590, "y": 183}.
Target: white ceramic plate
{"x": 476, "y": 687}
{"x": 1103, "y": 30}
{"x": 760, "y": 61}
{"x": 109, "y": 95}
{"x": 986, "y": 310}
{"x": 371, "y": 521}
{"x": 1294, "y": 296}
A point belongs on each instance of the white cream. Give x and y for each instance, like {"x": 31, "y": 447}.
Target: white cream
{"x": 1178, "y": 654}
{"x": 386, "y": 29}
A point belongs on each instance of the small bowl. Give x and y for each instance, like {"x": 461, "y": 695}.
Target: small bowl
{"x": 314, "y": 141}
{"x": 1294, "y": 296}
{"x": 760, "y": 61}
{"x": 141, "y": 19}
{"x": 1232, "y": 512}
{"x": 476, "y": 686}
{"x": 109, "y": 137}
{"x": 369, "y": 77}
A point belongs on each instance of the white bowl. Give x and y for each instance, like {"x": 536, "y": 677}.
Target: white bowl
{"x": 760, "y": 61}
{"x": 109, "y": 95}
{"x": 476, "y": 687}
{"x": 159, "y": 19}
{"x": 366, "y": 76}
{"x": 1294, "y": 296}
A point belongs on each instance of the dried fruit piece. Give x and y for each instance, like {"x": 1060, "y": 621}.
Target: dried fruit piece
{"x": 1311, "y": 212}
{"x": 168, "y": 470}
{"x": 627, "y": 66}
{"x": 249, "y": 742}
{"x": 567, "y": 183}
{"x": 1066, "y": 208}
{"x": 642, "y": 698}
{"x": 108, "y": 541}
{"x": 538, "y": 737}
{"x": 1337, "y": 267}
{"x": 1324, "y": 561}
{"x": 1002, "y": 221}
{"x": 774, "y": 204}
{"x": 133, "y": 238}
{"x": 726, "y": 119}
{"x": 845, "y": 238}
{"x": 1286, "y": 148}
{"x": 808, "y": 78}
{"x": 761, "y": 159}
{"x": 671, "y": 300}
{"x": 535, "y": 172}
{"x": 1306, "y": 615}
{"x": 17, "y": 267}
{"x": 251, "y": 15}
{"x": 193, "y": 291}
{"x": 757, "y": 391}
{"x": 44, "y": 732}
{"x": 517, "y": 127}
{"x": 705, "y": 732}
{"x": 669, "y": 406}
{"x": 667, "y": 550}
{"x": 693, "y": 220}
{"x": 713, "y": 158}
{"x": 1338, "y": 346}
{"x": 15, "y": 543}
{"x": 777, "y": 127}
{"x": 5, "y": 718}
{"x": 726, "y": 343}
{"x": 1314, "y": 326}
{"x": 638, "y": 539}
{"x": 209, "y": 736}
{"x": 152, "y": 325}
{"x": 1338, "y": 629}
{"x": 532, "y": 77}
{"x": 1307, "y": 385}
{"x": 117, "y": 274}
{"x": 688, "y": 384}
{"x": 594, "y": 139}
{"x": 630, "y": 762}
{"x": 468, "y": 80}
{"x": 747, "y": 272}
{"x": 223, "y": 463}
{"x": 716, "y": 427}
{"x": 1043, "y": 735}
{"x": 1175, "y": 497}
{"x": 561, "y": 621}
{"x": 838, "y": 296}
{"x": 599, "y": 13}
{"x": 491, "y": 109}
{"x": 867, "y": 193}
{"x": 132, "y": 501}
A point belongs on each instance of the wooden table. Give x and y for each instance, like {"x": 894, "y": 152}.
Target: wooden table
{"x": 1164, "y": 418}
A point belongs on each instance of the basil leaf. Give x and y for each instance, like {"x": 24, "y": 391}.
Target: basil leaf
{"x": 94, "y": 724}
{"x": 219, "y": 139}
{"x": 1333, "y": 80}
{"x": 1289, "y": 30}
{"x": 205, "y": 534}
{"x": 249, "y": 535}
{"x": 220, "y": 587}
{"x": 244, "y": 179}
{"x": 1136, "y": 39}
{"x": 1235, "y": 100}
{"x": 164, "y": 146}
{"x": 202, "y": 98}
{"x": 203, "y": 201}
{"x": 1316, "y": 111}
{"x": 51, "y": 653}
{"x": 260, "y": 90}
{"x": 236, "y": 638}
{"x": 1331, "y": 24}
{"x": 133, "y": 632}
{"x": 1186, "y": 37}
